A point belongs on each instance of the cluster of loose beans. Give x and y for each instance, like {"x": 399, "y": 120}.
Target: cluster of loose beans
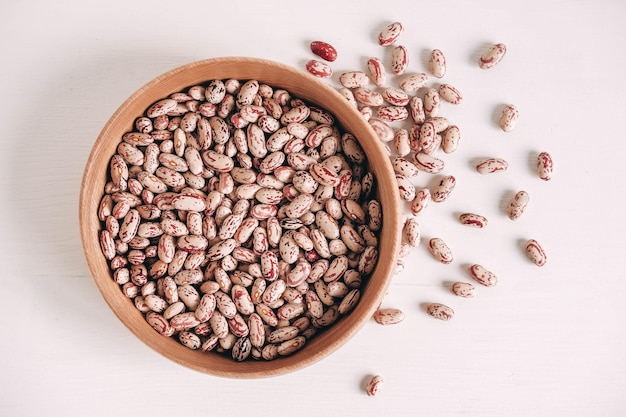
{"x": 408, "y": 120}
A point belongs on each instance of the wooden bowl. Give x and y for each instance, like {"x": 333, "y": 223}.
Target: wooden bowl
{"x": 302, "y": 85}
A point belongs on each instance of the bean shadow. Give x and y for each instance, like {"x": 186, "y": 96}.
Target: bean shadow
{"x": 497, "y": 113}
{"x": 505, "y": 199}
{"x": 531, "y": 161}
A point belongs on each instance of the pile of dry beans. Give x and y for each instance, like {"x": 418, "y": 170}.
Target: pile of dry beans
{"x": 240, "y": 219}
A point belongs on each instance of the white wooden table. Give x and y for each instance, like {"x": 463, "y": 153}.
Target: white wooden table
{"x": 545, "y": 341}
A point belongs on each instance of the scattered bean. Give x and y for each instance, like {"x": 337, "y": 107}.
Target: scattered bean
{"x": 491, "y": 165}
{"x": 473, "y": 220}
{"x": 319, "y": 68}
{"x": 437, "y": 63}
{"x": 545, "y": 166}
{"x": 463, "y": 289}
{"x": 440, "y": 250}
{"x": 390, "y": 34}
{"x": 536, "y": 253}
{"x": 450, "y": 94}
{"x": 387, "y": 316}
{"x": 492, "y": 56}
{"x": 324, "y": 50}
{"x": 508, "y": 118}
{"x": 374, "y": 384}
{"x": 482, "y": 275}
{"x": 518, "y": 205}
{"x": 440, "y": 311}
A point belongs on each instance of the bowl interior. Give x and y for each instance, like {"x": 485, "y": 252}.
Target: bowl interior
{"x": 302, "y": 85}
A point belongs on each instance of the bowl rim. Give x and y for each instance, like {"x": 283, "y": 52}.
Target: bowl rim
{"x": 89, "y": 222}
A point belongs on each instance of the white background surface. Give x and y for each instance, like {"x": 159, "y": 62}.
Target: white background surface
{"x": 546, "y": 341}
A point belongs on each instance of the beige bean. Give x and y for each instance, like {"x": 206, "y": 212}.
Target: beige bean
{"x": 300, "y": 205}
{"x": 428, "y": 163}
{"x": 373, "y": 385}
{"x": 374, "y": 212}
{"x": 159, "y": 323}
{"x": 443, "y": 189}
{"x": 257, "y": 330}
{"x": 388, "y": 316}
{"x": 238, "y": 326}
{"x": 291, "y": 346}
{"x": 247, "y": 92}
{"x": 440, "y": 250}
{"x": 352, "y": 238}
{"x": 463, "y": 289}
{"x": 451, "y": 139}
{"x": 405, "y": 188}
{"x": 188, "y": 276}
{"x": 395, "y": 96}
{"x": 319, "y": 68}
{"x": 353, "y": 210}
{"x": 401, "y": 142}
{"x": 483, "y": 276}
{"x": 437, "y": 63}
{"x": 376, "y": 71}
{"x": 352, "y": 149}
{"x": 267, "y": 314}
{"x": 411, "y": 232}
{"x": 173, "y": 162}
{"x": 518, "y": 204}
{"x": 384, "y": 132}
{"x": 296, "y": 114}
{"x": 367, "y": 261}
{"x": 508, "y": 118}
{"x": 413, "y": 82}
{"x": 349, "y": 96}
{"x": 399, "y": 59}
{"x": 545, "y": 166}
{"x": 242, "y": 300}
{"x": 535, "y": 252}
{"x": 432, "y": 102}
{"x": 298, "y": 274}
{"x": 450, "y": 94}
{"x": 440, "y": 311}
{"x": 221, "y": 249}
{"x": 217, "y": 162}
{"x": 491, "y": 165}
{"x": 206, "y": 308}
{"x": 473, "y": 220}
{"x": 392, "y": 113}
{"x": 366, "y": 112}
{"x": 161, "y": 107}
{"x": 314, "y": 305}
{"x": 390, "y": 33}
{"x": 368, "y": 97}
{"x": 492, "y": 56}
{"x": 184, "y": 321}
{"x": 219, "y": 324}
{"x": 290, "y": 311}
{"x": 269, "y": 352}
{"x": 354, "y": 79}
{"x": 421, "y": 201}
{"x": 107, "y": 244}
{"x": 349, "y": 301}
{"x": 193, "y": 243}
